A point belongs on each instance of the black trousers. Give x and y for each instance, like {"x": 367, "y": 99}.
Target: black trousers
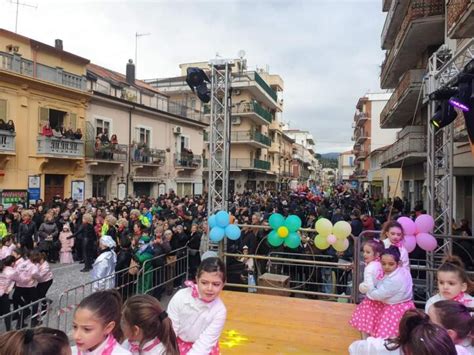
{"x": 5, "y": 309}
{"x": 41, "y": 291}
{"x": 88, "y": 253}
{"x": 21, "y": 297}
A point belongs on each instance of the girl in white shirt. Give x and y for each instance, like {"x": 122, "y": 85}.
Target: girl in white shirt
{"x": 96, "y": 325}
{"x": 418, "y": 336}
{"x": 456, "y": 319}
{"x": 147, "y": 328}
{"x": 395, "y": 290}
{"x": 392, "y": 234}
{"x": 197, "y": 312}
{"x": 453, "y": 283}
{"x": 364, "y": 316}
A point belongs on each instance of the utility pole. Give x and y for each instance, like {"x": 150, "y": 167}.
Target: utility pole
{"x": 18, "y": 3}
{"x": 137, "y": 35}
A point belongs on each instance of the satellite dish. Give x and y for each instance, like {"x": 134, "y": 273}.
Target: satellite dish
{"x": 241, "y": 54}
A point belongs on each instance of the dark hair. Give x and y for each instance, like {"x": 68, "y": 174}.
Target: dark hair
{"x": 212, "y": 265}
{"x": 36, "y": 341}
{"x": 8, "y": 261}
{"x": 421, "y": 337}
{"x": 145, "y": 312}
{"x": 36, "y": 256}
{"x": 393, "y": 251}
{"x": 454, "y": 315}
{"x": 390, "y": 224}
{"x": 376, "y": 245}
{"x": 125, "y": 242}
{"x": 106, "y": 306}
{"x": 22, "y": 252}
{"x": 452, "y": 263}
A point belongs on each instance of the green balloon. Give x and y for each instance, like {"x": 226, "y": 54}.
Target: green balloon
{"x": 293, "y": 223}
{"x": 293, "y": 240}
{"x": 274, "y": 240}
{"x": 276, "y": 220}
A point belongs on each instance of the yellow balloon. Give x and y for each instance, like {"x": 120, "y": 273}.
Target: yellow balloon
{"x": 283, "y": 232}
{"x": 324, "y": 227}
{"x": 341, "y": 245}
{"x": 321, "y": 242}
{"x": 342, "y": 230}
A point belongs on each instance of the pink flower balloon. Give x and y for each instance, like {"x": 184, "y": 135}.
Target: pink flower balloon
{"x": 409, "y": 241}
{"x": 424, "y": 223}
{"x": 409, "y": 227}
{"x": 426, "y": 241}
{"x": 331, "y": 239}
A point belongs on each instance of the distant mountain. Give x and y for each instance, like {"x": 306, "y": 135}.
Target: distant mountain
{"x": 330, "y": 156}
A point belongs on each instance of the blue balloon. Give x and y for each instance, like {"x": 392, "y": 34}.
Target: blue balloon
{"x": 232, "y": 231}
{"x": 222, "y": 219}
{"x": 212, "y": 221}
{"x": 293, "y": 240}
{"x": 216, "y": 234}
{"x": 276, "y": 220}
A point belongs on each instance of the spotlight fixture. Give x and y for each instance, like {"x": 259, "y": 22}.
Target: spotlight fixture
{"x": 196, "y": 78}
{"x": 443, "y": 116}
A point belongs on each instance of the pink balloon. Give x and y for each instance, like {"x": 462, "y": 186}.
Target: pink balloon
{"x": 409, "y": 227}
{"x": 426, "y": 241}
{"x": 331, "y": 239}
{"x": 409, "y": 241}
{"x": 424, "y": 223}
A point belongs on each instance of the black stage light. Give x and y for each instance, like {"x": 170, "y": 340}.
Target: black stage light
{"x": 195, "y": 77}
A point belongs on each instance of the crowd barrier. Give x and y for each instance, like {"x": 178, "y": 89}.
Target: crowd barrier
{"x": 28, "y": 316}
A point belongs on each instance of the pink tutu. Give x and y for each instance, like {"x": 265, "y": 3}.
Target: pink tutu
{"x": 366, "y": 315}
{"x": 185, "y": 346}
{"x": 65, "y": 257}
{"x": 388, "y": 321}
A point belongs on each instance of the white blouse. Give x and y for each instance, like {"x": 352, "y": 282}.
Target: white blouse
{"x": 196, "y": 321}
{"x": 436, "y": 298}
{"x": 371, "y": 272}
{"x": 159, "y": 349}
{"x": 118, "y": 350}
{"x": 394, "y": 288}
{"x": 403, "y": 253}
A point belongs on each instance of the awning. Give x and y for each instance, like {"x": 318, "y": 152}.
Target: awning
{"x": 146, "y": 179}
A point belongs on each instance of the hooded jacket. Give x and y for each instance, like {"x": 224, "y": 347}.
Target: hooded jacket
{"x": 103, "y": 270}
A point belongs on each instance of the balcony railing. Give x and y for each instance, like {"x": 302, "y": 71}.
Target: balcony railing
{"x": 186, "y": 160}
{"x": 460, "y": 18}
{"x": 417, "y": 9}
{"x": 17, "y": 64}
{"x": 360, "y": 173}
{"x": 254, "y": 107}
{"x": 254, "y": 76}
{"x": 412, "y": 79}
{"x": 411, "y": 139}
{"x": 110, "y": 152}
{"x": 147, "y": 156}
{"x": 60, "y": 147}
{"x": 246, "y": 136}
{"x": 7, "y": 142}
{"x": 360, "y": 118}
{"x": 261, "y": 164}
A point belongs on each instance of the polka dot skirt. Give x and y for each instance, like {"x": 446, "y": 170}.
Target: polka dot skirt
{"x": 387, "y": 324}
{"x": 366, "y": 315}
{"x": 185, "y": 346}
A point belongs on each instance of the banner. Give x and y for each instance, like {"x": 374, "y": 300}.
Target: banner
{"x": 34, "y": 188}
{"x": 9, "y": 197}
{"x": 77, "y": 190}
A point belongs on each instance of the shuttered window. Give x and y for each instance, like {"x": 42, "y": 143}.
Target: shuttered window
{"x": 3, "y": 110}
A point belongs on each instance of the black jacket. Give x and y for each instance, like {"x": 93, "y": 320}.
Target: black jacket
{"x": 123, "y": 259}
{"x": 26, "y": 232}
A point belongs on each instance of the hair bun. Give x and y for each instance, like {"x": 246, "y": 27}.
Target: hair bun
{"x": 454, "y": 260}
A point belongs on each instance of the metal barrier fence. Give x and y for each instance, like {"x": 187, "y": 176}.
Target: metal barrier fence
{"x": 31, "y": 315}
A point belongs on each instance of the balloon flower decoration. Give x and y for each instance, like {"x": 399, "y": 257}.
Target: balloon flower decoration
{"x": 418, "y": 232}
{"x": 221, "y": 227}
{"x": 329, "y": 235}
{"x": 285, "y": 231}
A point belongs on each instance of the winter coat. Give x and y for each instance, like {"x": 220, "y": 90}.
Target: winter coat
{"x": 26, "y": 232}
{"x": 103, "y": 270}
{"x": 48, "y": 229}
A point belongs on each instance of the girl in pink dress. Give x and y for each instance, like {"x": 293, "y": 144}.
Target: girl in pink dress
{"x": 364, "y": 316}
{"x": 66, "y": 245}
{"x": 395, "y": 291}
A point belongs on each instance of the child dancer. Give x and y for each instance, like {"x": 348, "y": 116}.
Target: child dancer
{"x": 67, "y": 243}
{"x": 453, "y": 283}
{"x": 395, "y": 291}
{"x": 44, "y": 277}
{"x": 369, "y": 310}
{"x": 7, "y": 246}
{"x": 392, "y": 234}
{"x": 96, "y": 325}
{"x": 37, "y": 341}
{"x": 197, "y": 313}
{"x": 147, "y": 327}
{"x": 6, "y": 287}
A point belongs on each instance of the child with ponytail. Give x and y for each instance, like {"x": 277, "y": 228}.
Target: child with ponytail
{"x": 96, "y": 325}
{"x": 36, "y": 341}
{"x": 453, "y": 283}
{"x": 147, "y": 328}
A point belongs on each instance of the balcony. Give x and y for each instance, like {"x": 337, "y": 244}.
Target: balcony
{"x": 253, "y": 82}
{"x": 15, "y": 63}
{"x": 254, "y": 111}
{"x": 297, "y": 156}
{"x": 360, "y": 173}
{"x": 275, "y": 148}
{"x": 60, "y": 147}
{"x": 255, "y": 139}
{"x": 395, "y": 15}
{"x": 147, "y": 156}
{"x": 187, "y": 160}
{"x": 410, "y": 147}
{"x": 398, "y": 112}
{"x": 7, "y": 143}
{"x": 360, "y": 118}
{"x": 460, "y": 18}
{"x": 361, "y": 155}
{"x": 111, "y": 153}
{"x": 422, "y": 27}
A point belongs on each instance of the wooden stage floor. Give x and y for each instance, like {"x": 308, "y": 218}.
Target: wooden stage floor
{"x": 264, "y": 324}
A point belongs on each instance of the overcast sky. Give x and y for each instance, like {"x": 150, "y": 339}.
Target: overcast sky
{"x": 327, "y": 51}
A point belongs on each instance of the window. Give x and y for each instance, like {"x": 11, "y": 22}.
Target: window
{"x": 143, "y": 135}
{"x": 57, "y": 119}
{"x": 3, "y": 110}
{"x": 351, "y": 161}
{"x": 193, "y": 104}
{"x": 184, "y": 143}
{"x": 102, "y": 126}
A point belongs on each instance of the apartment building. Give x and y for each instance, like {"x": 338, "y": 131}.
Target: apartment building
{"x": 43, "y": 90}
{"x": 256, "y": 99}
{"x": 153, "y": 144}
{"x": 345, "y": 166}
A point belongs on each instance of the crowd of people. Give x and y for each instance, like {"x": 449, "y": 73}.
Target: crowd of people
{"x": 61, "y": 132}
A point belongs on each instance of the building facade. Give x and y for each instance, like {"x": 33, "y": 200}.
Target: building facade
{"x": 345, "y": 166}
